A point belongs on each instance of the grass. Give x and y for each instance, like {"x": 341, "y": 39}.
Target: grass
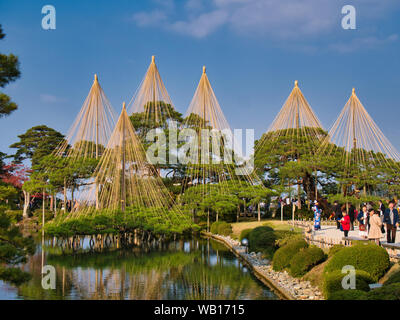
{"x": 315, "y": 275}
{"x": 394, "y": 269}
{"x": 237, "y": 227}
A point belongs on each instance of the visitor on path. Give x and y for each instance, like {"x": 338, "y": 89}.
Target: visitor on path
{"x": 352, "y": 216}
{"x": 363, "y": 218}
{"x": 338, "y": 213}
{"x": 382, "y": 209}
{"x": 375, "y": 222}
{"x": 345, "y": 222}
{"x": 317, "y": 216}
{"x": 391, "y": 220}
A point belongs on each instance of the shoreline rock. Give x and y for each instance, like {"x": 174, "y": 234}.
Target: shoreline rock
{"x": 297, "y": 289}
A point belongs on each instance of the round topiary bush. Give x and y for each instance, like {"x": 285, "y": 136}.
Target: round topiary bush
{"x": 305, "y": 259}
{"x": 224, "y": 228}
{"x": 349, "y": 295}
{"x": 221, "y": 227}
{"x": 214, "y": 227}
{"x": 367, "y": 257}
{"x": 262, "y": 239}
{"x": 394, "y": 278}
{"x": 283, "y": 255}
{"x": 335, "y": 249}
{"x": 333, "y": 282}
{"x": 389, "y": 292}
{"x": 244, "y": 234}
{"x": 283, "y": 237}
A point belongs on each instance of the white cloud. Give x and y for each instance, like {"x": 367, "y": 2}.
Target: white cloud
{"x": 279, "y": 20}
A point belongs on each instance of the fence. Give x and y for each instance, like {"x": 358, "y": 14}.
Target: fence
{"x": 393, "y": 249}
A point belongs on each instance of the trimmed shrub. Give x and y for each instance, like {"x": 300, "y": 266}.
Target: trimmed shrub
{"x": 305, "y": 259}
{"x": 369, "y": 258}
{"x": 394, "y": 278}
{"x": 14, "y": 215}
{"x": 349, "y": 295}
{"x": 283, "y": 255}
{"x": 333, "y": 282}
{"x": 389, "y": 292}
{"x": 214, "y": 227}
{"x": 262, "y": 239}
{"x": 244, "y": 234}
{"x": 284, "y": 237}
{"x": 222, "y": 228}
{"x": 335, "y": 249}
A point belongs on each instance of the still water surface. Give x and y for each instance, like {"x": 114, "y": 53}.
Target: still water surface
{"x": 185, "y": 269}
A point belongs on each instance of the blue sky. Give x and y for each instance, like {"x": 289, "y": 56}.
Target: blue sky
{"x": 253, "y": 50}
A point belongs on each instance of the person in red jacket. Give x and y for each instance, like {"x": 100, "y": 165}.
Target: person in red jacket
{"x": 345, "y": 221}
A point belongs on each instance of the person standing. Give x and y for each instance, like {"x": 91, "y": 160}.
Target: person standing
{"x": 362, "y": 218}
{"x": 338, "y": 214}
{"x": 391, "y": 220}
{"x": 345, "y": 221}
{"x": 375, "y": 222}
{"x": 352, "y": 216}
{"x": 381, "y": 213}
{"x": 317, "y": 217}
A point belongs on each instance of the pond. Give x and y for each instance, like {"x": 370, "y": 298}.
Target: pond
{"x": 183, "y": 269}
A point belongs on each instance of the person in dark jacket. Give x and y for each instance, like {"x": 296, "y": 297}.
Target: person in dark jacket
{"x": 352, "y": 216}
{"x": 338, "y": 213}
{"x": 391, "y": 220}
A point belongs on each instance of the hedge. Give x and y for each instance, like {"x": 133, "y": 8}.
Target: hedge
{"x": 262, "y": 239}
{"x": 394, "y": 278}
{"x": 283, "y": 255}
{"x": 283, "y": 237}
{"x": 369, "y": 258}
{"x": 349, "y": 295}
{"x": 245, "y": 234}
{"x": 333, "y": 282}
{"x": 335, "y": 249}
{"x": 389, "y": 292}
{"x": 305, "y": 259}
{"x": 221, "y": 227}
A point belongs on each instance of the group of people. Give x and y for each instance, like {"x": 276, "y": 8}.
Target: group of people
{"x": 372, "y": 223}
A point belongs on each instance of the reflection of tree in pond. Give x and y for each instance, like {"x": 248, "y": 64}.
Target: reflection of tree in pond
{"x": 194, "y": 269}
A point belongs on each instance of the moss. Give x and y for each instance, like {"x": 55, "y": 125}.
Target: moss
{"x": 394, "y": 278}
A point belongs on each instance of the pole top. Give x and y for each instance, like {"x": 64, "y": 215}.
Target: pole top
{"x": 153, "y": 59}
{"x": 296, "y": 83}
{"x": 204, "y": 69}
{"x": 123, "y": 106}
{"x": 354, "y": 91}
{"x": 95, "y": 77}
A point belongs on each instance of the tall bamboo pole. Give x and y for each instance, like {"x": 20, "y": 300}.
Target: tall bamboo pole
{"x": 123, "y": 189}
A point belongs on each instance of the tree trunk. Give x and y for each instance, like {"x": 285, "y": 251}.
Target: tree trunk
{"x": 51, "y": 202}
{"x": 65, "y": 195}
{"x": 72, "y": 198}
{"x": 27, "y": 199}
{"x": 259, "y": 213}
{"x": 217, "y": 217}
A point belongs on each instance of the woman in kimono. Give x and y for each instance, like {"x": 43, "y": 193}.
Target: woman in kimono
{"x": 317, "y": 216}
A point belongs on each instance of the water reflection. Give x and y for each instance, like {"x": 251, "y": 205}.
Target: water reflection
{"x": 191, "y": 269}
